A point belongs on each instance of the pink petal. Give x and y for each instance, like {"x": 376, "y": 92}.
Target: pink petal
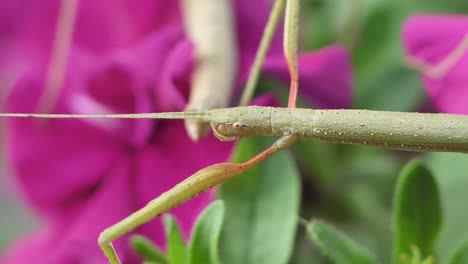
{"x": 33, "y": 27}
{"x": 47, "y": 153}
{"x": 171, "y": 90}
{"x": 126, "y": 81}
{"x": 105, "y": 25}
{"x": 430, "y": 39}
{"x": 101, "y": 26}
{"x": 26, "y": 33}
{"x": 73, "y": 238}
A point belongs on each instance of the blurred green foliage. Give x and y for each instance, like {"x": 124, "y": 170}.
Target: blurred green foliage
{"x": 337, "y": 246}
{"x": 147, "y": 250}
{"x": 203, "y": 246}
{"x": 176, "y": 250}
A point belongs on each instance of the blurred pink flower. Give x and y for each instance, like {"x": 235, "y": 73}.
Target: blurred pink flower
{"x": 81, "y": 176}
{"x": 430, "y": 39}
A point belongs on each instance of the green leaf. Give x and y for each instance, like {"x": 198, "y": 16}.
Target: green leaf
{"x": 461, "y": 254}
{"x": 376, "y": 40}
{"x": 417, "y": 212}
{"x": 337, "y": 246}
{"x": 203, "y": 246}
{"x": 321, "y": 14}
{"x": 147, "y": 250}
{"x": 450, "y": 170}
{"x": 394, "y": 89}
{"x": 416, "y": 258}
{"x": 175, "y": 242}
{"x": 262, "y": 206}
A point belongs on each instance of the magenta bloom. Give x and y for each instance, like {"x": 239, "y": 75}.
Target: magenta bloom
{"x": 431, "y": 38}
{"x": 81, "y": 176}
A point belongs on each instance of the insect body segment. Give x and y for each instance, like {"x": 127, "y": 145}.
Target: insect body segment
{"x": 239, "y": 122}
{"x": 393, "y": 130}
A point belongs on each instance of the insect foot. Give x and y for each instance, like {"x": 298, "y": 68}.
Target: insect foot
{"x": 105, "y": 243}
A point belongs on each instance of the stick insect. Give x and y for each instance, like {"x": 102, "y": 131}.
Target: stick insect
{"x": 392, "y": 130}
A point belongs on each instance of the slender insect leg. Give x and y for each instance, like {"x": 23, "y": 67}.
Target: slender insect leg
{"x": 109, "y": 251}
{"x": 265, "y": 42}
{"x": 58, "y": 59}
{"x": 291, "y": 28}
{"x": 210, "y": 26}
{"x": 282, "y": 143}
{"x": 438, "y": 71}
{"x": 189, "y": 188}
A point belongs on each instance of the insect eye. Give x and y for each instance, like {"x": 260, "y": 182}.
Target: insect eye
{"x": 224, "y": 132}
{"x": 239, "y": 125}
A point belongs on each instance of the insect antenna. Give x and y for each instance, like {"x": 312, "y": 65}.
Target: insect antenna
{"x": 164, "y": 115}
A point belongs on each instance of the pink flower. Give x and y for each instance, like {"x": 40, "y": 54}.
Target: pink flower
{"x": 430, "y": 39}
{"x": 81, "y": 176}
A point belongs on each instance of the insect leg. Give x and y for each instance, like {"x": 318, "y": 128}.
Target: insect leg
{"x": 267, "y": 36}
{"x": 189, "y": 188}
{"x": 210, "y": 26}
{"x": 291, "y": 27}
{"x": 58, "y": 60}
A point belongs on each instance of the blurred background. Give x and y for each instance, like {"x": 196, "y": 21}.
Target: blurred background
{"x": 349, "y": 186}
